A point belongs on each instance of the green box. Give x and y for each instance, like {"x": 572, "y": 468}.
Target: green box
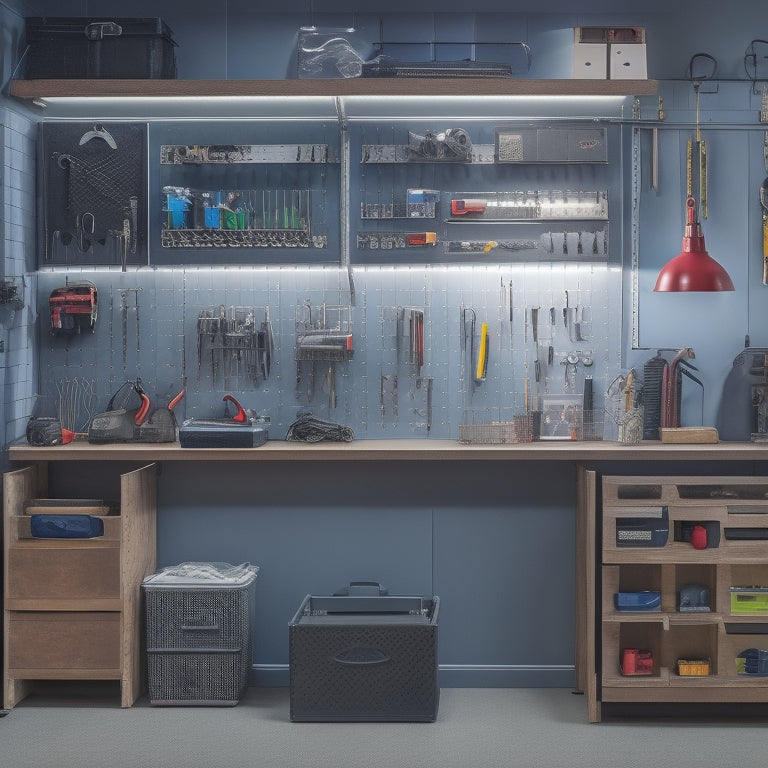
{"x": 749, "y": 600}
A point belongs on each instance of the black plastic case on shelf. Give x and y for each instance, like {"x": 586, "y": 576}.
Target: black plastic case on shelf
{"x": 83, "y": 47}
{"x": 364, "y": 656}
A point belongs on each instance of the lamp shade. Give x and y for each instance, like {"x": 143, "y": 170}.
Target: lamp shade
{"x": 693, "y": 269}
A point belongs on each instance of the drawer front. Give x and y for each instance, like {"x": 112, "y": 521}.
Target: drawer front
{"x": 61, "y": 573}
{"x": 63, "y": 640}
{"x": 198, "y": 618}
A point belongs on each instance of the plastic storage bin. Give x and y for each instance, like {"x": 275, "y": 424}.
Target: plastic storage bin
{"x": 364, "y": 656}
{"x": 76, "y": 47}
{"x": 199, "y": 633}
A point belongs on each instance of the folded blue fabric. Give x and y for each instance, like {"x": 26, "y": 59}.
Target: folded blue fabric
{"x": 66, "y": 526}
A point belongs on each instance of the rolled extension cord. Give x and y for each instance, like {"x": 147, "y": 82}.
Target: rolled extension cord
{"x": 307, "y": 429}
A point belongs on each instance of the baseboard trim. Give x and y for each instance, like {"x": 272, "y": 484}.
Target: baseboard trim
{"x": 456, "y": 675}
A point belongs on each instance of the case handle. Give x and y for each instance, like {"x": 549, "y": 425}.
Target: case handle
{"x": 362, "y": 589}
{"x": 97, "y": 30}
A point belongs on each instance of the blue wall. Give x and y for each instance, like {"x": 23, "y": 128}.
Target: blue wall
{"x": 495, "y": 542}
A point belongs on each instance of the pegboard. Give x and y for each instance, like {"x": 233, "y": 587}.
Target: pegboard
{"x": 397, "y": 383}
{"x": 95, "y": 187}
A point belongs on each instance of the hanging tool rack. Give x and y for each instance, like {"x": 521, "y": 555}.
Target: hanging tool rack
{"x": 235, "y": 346}
{"x": 323, "y": 339}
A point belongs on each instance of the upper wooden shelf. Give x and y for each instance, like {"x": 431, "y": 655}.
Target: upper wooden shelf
{"x": 492, "y": 86}
{"x": 398, "y": 450}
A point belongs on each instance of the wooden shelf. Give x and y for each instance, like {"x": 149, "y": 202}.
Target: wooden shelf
{"x": 492, "y": 86}
{"x": 397, "y": 450}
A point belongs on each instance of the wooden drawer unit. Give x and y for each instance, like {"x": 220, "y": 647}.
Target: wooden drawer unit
{"x": 72, "y": 606}
{"x": 86, "y": 644}
{"x": 679, "y": 546}
{"x": 63, "y": 573}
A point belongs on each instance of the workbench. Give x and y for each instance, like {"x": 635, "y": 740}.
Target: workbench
{"x": 400, "y": 450}
{"x": 481, "y": 525}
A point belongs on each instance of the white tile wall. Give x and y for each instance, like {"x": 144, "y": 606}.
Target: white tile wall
{"x": 18, "y": 377}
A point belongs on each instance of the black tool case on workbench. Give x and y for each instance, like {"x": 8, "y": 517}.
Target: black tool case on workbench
{"x": 364, "y": 655}
{"x": 83, "y": 47}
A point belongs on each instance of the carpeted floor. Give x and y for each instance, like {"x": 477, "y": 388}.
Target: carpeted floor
{"x": 476, "y": 728}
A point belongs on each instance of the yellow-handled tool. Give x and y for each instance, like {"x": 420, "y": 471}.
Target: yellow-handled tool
{"x": 482, "y": 355}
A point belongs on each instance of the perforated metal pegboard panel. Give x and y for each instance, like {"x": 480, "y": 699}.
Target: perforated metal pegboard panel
{"x": 147, "y": 326}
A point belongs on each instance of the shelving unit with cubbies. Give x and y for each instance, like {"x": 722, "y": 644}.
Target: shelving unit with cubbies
{"x": 72, "y": 607}
{"x": 704, "y": 637}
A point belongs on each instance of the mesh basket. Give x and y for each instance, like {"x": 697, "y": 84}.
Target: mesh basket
{"x": 197, "y": 678}
{"x": 199, "y": 646}
{"x": 479, "y": 431}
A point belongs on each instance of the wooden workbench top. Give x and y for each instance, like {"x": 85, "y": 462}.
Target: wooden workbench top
{"x": 399, "y": 450}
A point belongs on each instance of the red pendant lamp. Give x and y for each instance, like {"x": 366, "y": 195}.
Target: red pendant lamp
{"x": 693, "y": 269}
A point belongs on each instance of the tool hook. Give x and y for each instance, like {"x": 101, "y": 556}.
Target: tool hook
{"x": 98, "y": 132}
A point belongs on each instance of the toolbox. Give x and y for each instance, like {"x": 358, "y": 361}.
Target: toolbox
{"x": 198, "y": 633}
{"x": 87, "y": 47}
{"x": 364, "y": 655}
{"x": 209, "y": 433}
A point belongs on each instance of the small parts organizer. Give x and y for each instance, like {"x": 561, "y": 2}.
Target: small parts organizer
{"x": 684, "y": 614}
{"x": 243, "y": 217}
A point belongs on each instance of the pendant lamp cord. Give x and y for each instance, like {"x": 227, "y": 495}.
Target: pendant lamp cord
{"x": 696, "y": 88}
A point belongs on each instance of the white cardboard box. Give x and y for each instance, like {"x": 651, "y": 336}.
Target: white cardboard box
{"x": 627, "y": 61}
{"x": 590, "y": 61}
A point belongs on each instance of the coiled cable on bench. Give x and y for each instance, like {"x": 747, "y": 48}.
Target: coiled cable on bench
{"x": 307, "y": 429}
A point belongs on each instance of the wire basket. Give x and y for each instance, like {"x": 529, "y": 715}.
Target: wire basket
{"x": 588, "y": 425}
{"x": 511, "y": 428}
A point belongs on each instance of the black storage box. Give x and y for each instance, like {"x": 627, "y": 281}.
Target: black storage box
{"x": 364, "y": 656}
{"x": 116, "y": 48}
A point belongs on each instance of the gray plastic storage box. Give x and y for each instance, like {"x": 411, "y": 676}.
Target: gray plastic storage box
{"x": 364, "y": 656}
{"x": 199, "y": 633}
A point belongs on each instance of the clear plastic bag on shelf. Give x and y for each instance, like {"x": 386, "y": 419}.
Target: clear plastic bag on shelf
{"x": 329, "y": 53}
{"x": 204, "y": 574}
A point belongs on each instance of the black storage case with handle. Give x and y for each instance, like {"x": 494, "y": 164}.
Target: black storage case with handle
{"x": 96, "y": 47}
{"x": 364, "y": 655}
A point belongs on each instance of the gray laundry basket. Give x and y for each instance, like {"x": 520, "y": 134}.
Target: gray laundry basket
{"x": 199, "y": 633}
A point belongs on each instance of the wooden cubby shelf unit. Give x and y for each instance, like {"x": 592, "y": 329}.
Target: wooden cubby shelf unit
{"x": 699, "y": 625}
{"x": 72, "y": 607}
